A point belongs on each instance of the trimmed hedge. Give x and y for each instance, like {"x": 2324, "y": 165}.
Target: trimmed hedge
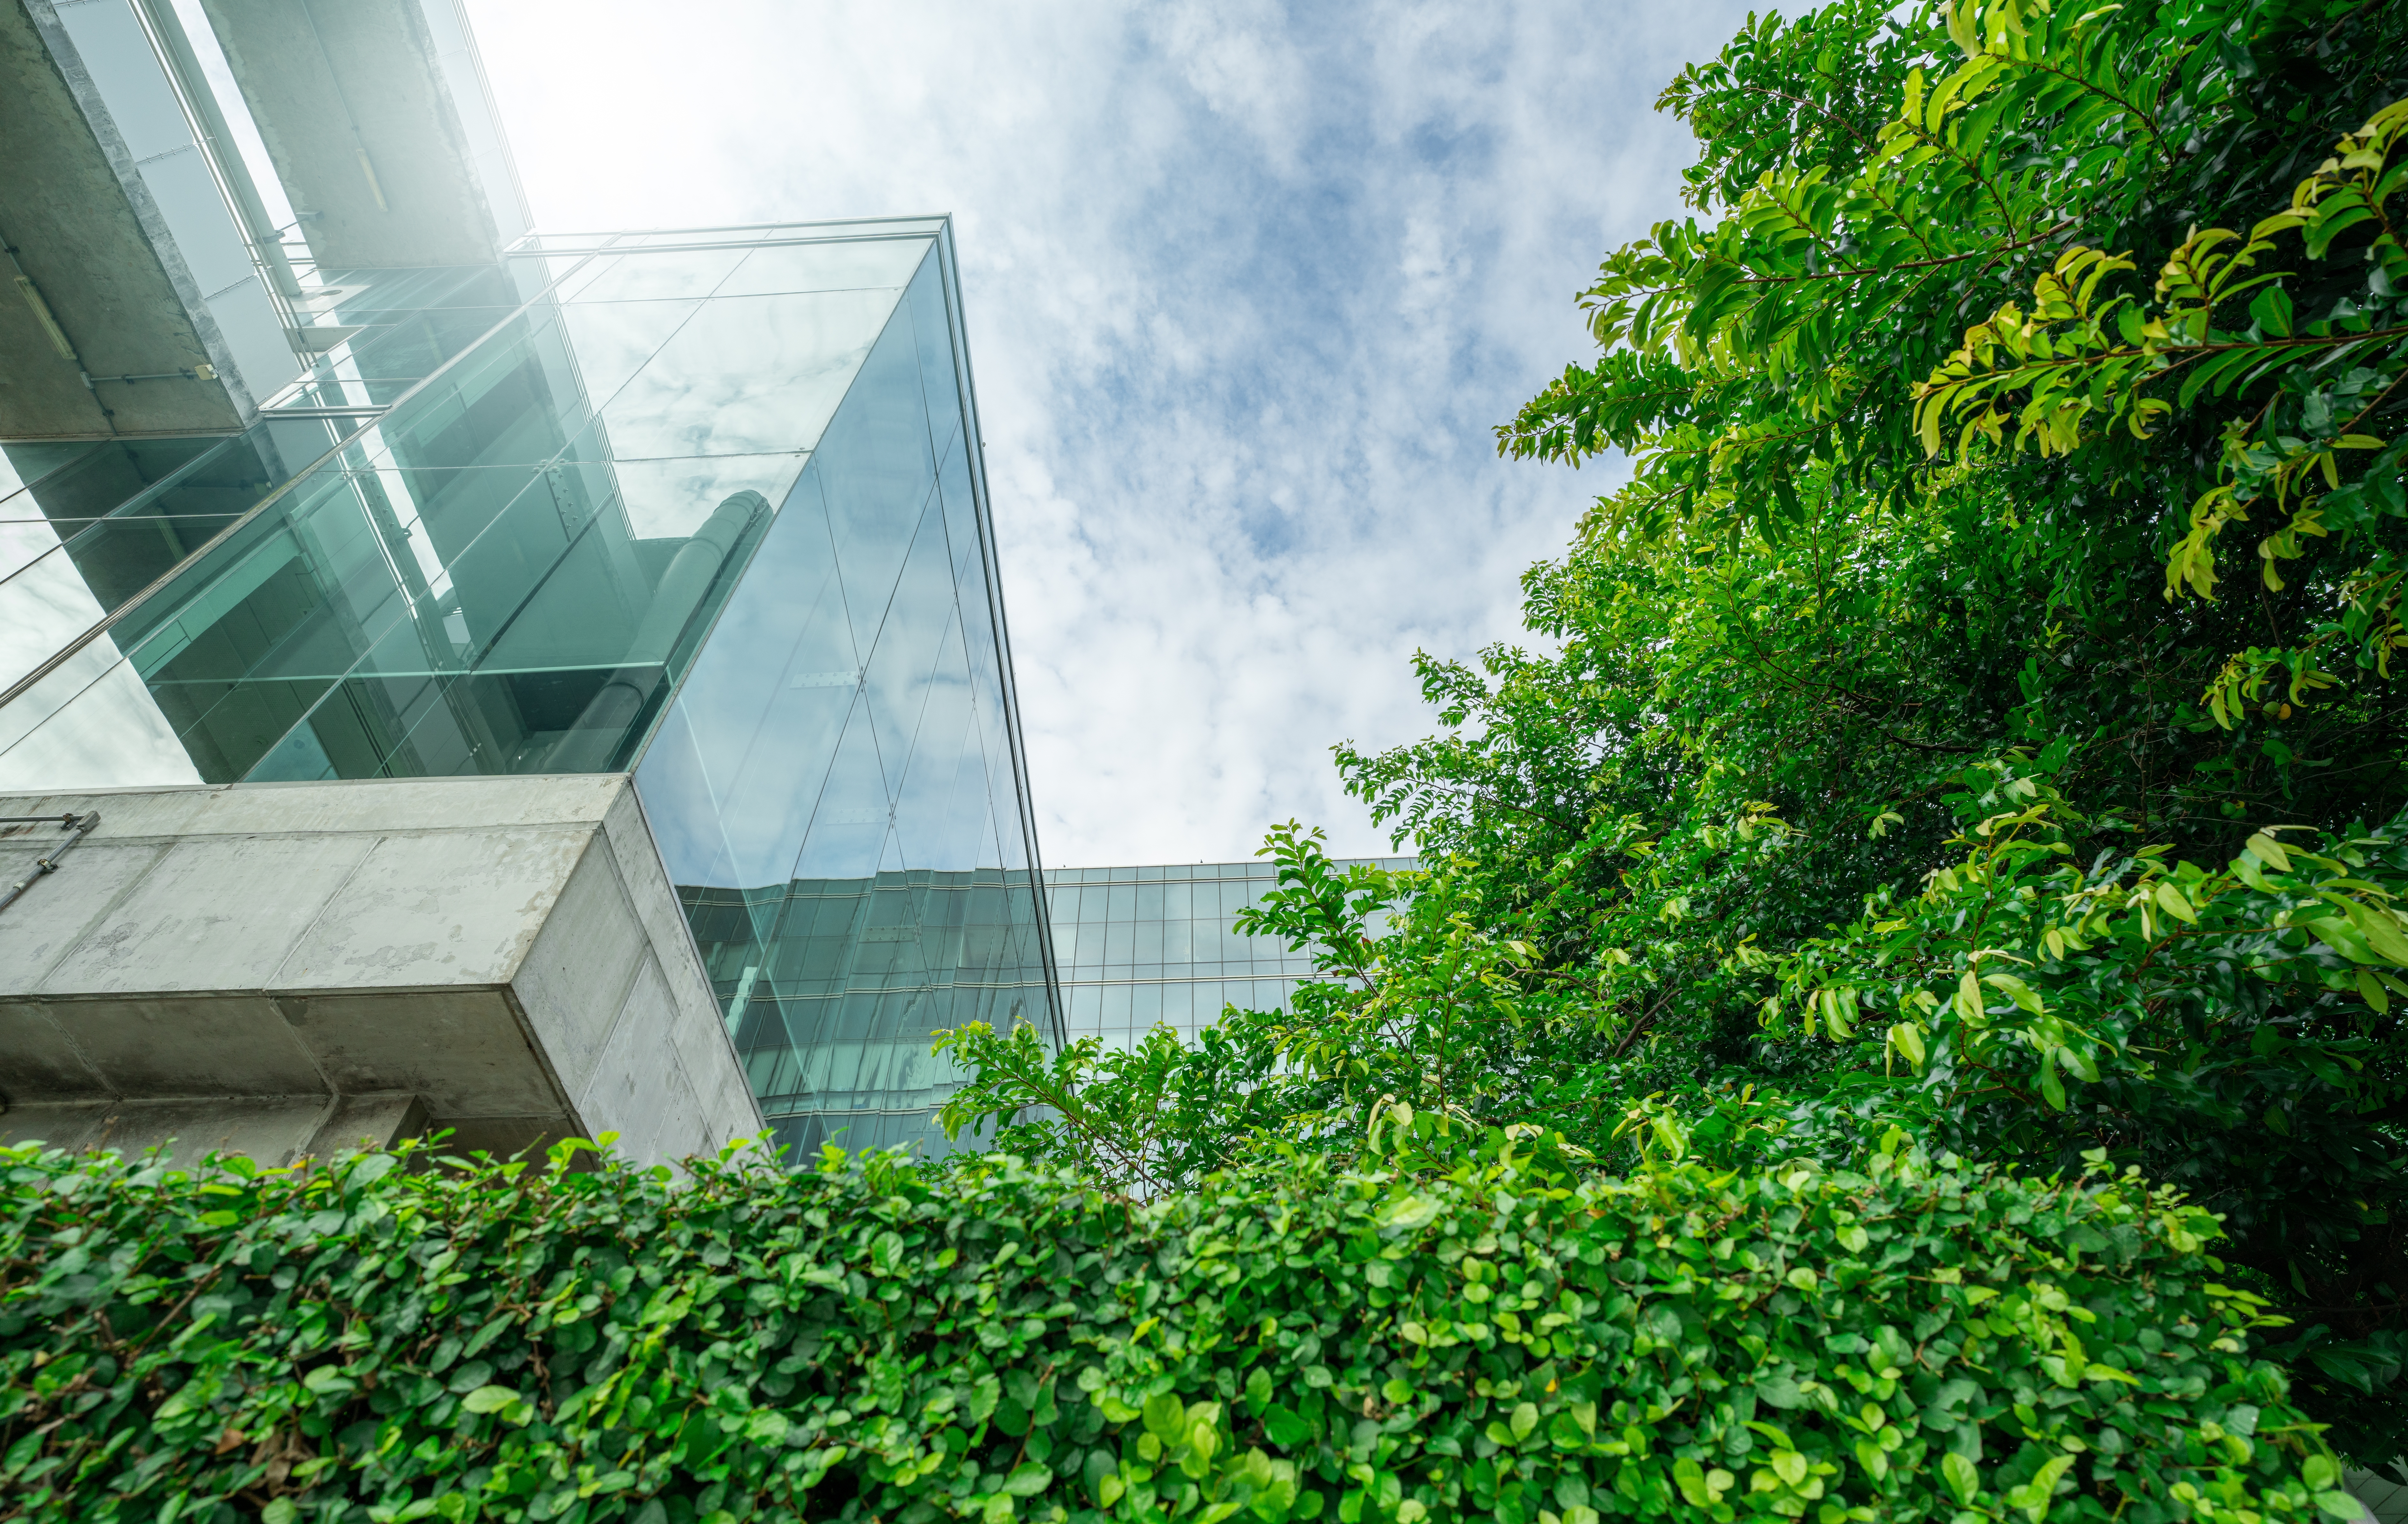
{"x": 869, "y": 1341}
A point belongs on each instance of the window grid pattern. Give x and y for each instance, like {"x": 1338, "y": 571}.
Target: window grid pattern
{"x": 1158, "y": 946}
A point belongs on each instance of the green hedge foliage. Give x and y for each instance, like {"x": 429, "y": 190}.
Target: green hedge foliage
{"x": 1496, "y": 1336}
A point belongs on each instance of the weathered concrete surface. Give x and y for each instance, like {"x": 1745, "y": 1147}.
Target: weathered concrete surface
{"x": 273, "y": 1127}
{"x": 279, "y": 969}
{"x": 115, "y": 218}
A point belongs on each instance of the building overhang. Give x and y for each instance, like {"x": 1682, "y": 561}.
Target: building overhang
{"x": 376, "y": 115}
{"x": 96, "y": 283}
{"x": 284, "y": 969}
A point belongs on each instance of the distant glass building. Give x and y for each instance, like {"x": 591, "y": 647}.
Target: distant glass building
{"x": 707, "y": 507}
{"x": 1140, "y": 947}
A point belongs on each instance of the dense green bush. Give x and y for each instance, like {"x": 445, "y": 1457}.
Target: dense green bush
{"x": 1975, "y": 701}
{"x": 1477, "y": 1334}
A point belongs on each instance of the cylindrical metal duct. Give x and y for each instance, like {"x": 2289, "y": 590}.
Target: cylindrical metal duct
{"x": 588, "y": 745}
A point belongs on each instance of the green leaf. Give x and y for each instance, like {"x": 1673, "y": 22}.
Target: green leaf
{"x": 2171, "y": 900}
{"x": 1165, "y": 1417}
{"x": 1203, "y": 1429}
{"x": 2052, "y": 1085}
{"x": 489, "y": 1399}
{"x": 2371, "y": 990}
{"x": 1907, "y": 1037}
{"x": 1027, "y": 1480}
{"x": 487, "y": 1334}
{"x": 1273, "y": 1498}
{"x": 368, "y": 1169}
{"x": 1964, "y": 1482}
{"x": 2271, "y": 310}
{"x": 1285, "y": 1426}
{"x": 2381, "y": 932}
{"x": 330, "y": 1380}
{"x": 1258, "y": 1390}
{"x": 2343, "y": 937}
{"x": 1690, "y": 1478}
{"x": 2032, "y": 1497}
{"x": 767, "y": 1427}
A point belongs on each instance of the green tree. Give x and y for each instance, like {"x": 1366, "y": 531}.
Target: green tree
{"x": 1904, "y": 742}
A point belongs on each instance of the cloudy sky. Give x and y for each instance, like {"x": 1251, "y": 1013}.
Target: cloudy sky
{"x": 1247, "y": 289}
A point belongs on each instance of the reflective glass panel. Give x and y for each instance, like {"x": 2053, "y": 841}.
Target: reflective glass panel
{"x": 835, "y": 788}
{"x": 92, "y": 526}
{"x": 711, "y": 514}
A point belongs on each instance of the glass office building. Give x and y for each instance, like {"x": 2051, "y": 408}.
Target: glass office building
{"x": 1140, "y": 947}
{"x": 705, "y": 505}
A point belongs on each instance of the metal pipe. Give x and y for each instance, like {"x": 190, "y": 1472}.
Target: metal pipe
{"x": 33, "y": 295}
{"x": 592, "y": 739}
{"x": 719, "y": 227}
{"x": 516, "y": 253}
{"x": 204, "y": 371}
{"x": 82, "y": 825}
{"x": 59, "y": 339}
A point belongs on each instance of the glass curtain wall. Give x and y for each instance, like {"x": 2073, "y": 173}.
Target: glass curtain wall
{"x": 1159, "y": 945}
{"x": 85, "y": 526}
{"x": 705, "y": 505}
{"x": 835, "y": 788}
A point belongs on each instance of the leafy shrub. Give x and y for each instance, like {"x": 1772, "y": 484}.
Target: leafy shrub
{"x": 1481, "y": 1334}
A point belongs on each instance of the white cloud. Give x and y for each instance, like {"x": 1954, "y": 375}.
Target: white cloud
{"x": 1247, "y": 288}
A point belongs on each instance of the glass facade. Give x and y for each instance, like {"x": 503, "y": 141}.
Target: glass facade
{"x": 1144, "y": 946}
{"x": 706, "y": 506}
{"x": 836, "y": 787}
{"x": 86, "y": 525}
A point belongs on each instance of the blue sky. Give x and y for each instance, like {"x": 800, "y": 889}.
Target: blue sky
{"x": 1247, "y": 286}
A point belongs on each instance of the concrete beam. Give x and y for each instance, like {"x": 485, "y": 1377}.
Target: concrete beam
{"x": 274, "y": 1130}
{"x": 375, "y": 115}
{"x": 92, "y": 236}
{"x": 252, "y": 964}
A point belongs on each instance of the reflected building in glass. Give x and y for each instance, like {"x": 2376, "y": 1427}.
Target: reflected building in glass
{"x": 1142, "y": 947}
{"x": 705, "y": 507}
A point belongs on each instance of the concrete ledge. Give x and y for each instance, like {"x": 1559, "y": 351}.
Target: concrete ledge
{"x": 275, "y": 969}
{"x": 271, "y": 1129}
